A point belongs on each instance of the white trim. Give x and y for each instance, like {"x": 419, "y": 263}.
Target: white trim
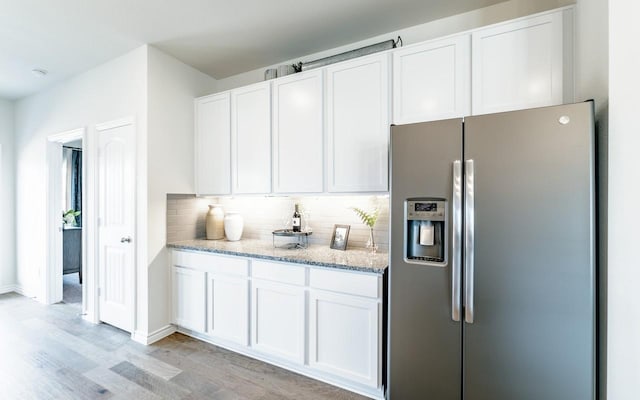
{"x": 90, "y": 316}
{"x": 8, "y": 289}
{"x": 90, "y": 231}
{"x": 104, "y": 126}
{"x": 154, "y": 336}
{"x": 12, "y": 289}
{"x": 67, "y": 136}
{"x": 51, "y": 290}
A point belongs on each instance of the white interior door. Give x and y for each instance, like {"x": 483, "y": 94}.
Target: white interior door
{"x": 116, "y": 207}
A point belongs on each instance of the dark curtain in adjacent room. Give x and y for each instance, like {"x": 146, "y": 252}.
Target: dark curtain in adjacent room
{"x": 73, "y": 159}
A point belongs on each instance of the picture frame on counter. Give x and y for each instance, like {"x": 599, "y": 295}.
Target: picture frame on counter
{"x": 340, "y": 237}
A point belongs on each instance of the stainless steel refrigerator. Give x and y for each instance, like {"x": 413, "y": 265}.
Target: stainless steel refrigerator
{"x": 492, "y": 258}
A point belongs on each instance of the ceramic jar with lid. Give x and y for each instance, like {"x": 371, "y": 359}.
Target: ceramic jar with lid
{"x": 233, "y": 225}
{"x": 215, "y": 222}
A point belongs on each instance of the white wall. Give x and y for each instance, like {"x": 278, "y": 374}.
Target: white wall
{"x": 172, "y": 86}
{"x": 624, "y": 199}
{"x": 110, "y": 91}
{"x": 592, "y": 82}
{"x": 431, "y": 30}
{"x": 7, "y": 243}
{"x": 158, "y": 91}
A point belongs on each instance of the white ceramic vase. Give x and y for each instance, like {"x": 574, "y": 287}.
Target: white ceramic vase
{"x": 233, "y": 225}
{"x": 215, "y": 222}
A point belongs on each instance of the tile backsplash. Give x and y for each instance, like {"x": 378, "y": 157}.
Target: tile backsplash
{"x": 263, "y": 214}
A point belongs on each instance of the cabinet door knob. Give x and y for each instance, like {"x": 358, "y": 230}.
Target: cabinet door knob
{"x": 125, "y": 239}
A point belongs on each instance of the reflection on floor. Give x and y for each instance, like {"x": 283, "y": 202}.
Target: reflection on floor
{"x": 50, "y": 352}
{"x": 71, "y": 289}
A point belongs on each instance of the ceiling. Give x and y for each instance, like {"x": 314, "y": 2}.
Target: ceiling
{"x": 218, "y": 37}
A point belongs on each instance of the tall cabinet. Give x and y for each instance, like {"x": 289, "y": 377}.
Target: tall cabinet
{"x": 431, "y": 80}
{"x": 520, "y": 64}
{"x": 212, "y": 144}
{"x": 251, "y": 139}
{"x": 298, "y": 133}
{"x": 358, "y": 125}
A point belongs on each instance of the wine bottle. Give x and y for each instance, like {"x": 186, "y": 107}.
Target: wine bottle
{"x": 297, "y": 220}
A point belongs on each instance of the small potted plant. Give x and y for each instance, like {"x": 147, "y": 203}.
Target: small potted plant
{"x": 369, "y": 219}
{"x": 69, "y": 217}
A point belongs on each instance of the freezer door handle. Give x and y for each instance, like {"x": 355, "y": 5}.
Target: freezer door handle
{"x": 469, "y": 241}
{"x": 456, "y": 240}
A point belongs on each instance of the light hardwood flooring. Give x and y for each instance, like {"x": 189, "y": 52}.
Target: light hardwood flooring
{"x": 49, "y": 352}
{"x": 72, "y": 289}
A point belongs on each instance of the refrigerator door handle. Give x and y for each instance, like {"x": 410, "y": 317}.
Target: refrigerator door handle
{"x": 456, "y": 240}
{"x": 469, "y": 241}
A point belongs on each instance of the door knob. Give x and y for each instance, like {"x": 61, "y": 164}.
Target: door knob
{"x": 125, "y": 239}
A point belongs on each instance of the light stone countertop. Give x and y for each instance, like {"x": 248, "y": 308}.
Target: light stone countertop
{"x": 316, "y": 255}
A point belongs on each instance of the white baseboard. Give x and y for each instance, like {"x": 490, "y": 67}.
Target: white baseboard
{"x": 11, "y": 288}
{"x": 90, "y": 317}
{"x": 153, "y": 336}
{"x": 7, "y": 289}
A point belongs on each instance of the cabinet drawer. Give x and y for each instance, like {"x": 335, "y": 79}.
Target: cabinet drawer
{"x": 212, "y": 263}
{"x": 345, "y": 282}
{"x": 278, "y": 272}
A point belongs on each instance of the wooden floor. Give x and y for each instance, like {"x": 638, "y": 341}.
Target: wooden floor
{"x": 49, "y": 352}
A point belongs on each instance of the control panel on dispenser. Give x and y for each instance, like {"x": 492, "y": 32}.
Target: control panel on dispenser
{"x": 426, "y": 231}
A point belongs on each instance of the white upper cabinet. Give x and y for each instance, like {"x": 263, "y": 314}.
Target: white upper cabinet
{"x": 431, "y": 80}
{"x": 251, "y": 139}
{"x": 298, "y": 133}
{"x": 327, "y": 130}
{"x": 213, "y": 144}
{"x": 358, "y": 125}
{"x": 518, "y": 65}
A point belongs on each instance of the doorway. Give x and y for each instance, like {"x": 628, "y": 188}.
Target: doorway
{"x": 72, "y": 223}
{"x": 107, "y": 220}
{"x": 67, "y": 222}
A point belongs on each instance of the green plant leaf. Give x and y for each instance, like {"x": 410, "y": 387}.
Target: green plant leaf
{"x": 368, "y": 219}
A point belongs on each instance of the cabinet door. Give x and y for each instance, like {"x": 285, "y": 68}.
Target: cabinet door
{"x": 298, "y": 133}
{"x": 251, "y": 138}
{"x": 278, "y": 320}
{"x": 358, "y": 125}
{"x": 189, "y": 298}
{"x": 213, "y": 144}
{"x": 431, "y": 81}
{"x": 518, "y": 65}
{"x": 228, "y": 308}
{"x": 344, "y": 336}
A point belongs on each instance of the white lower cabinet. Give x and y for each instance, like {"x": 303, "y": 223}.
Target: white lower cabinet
{"x": 344, "y": 336}
{"x": 320, "y": 322}
{"x": 278, "y": 320}
{"x": 189, "y": 298}
{"x": 228, "y": 308}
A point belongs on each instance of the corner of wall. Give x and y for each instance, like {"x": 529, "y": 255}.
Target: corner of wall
{"x": 172, "y": 87}
{"x": 8, "y": 278}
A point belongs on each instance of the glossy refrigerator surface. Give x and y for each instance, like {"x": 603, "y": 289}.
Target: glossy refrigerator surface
{"x": 528, "y": 302}
{"x": 425, "y": 343}
{"x": 534, "y": 307}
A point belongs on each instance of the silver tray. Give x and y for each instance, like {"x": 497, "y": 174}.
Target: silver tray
{"x": 301, "y": 239}
{"x": 289, "y": 232}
